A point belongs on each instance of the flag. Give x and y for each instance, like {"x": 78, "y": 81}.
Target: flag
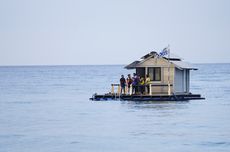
{"x": 164, "y": 52}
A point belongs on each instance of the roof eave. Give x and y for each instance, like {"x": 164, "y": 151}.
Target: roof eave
{"x": 186, "y": 68}
{"x": 128, "y": 67}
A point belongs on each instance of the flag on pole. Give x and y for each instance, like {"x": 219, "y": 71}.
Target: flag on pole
{"x": 164, "y": 52}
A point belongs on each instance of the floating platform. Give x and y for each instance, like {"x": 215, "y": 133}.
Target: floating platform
{"x": 180, "y": 97}
{"x": 184, "y": 97}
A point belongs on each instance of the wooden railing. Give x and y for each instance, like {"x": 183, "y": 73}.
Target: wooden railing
{"x": 130, "y": 90}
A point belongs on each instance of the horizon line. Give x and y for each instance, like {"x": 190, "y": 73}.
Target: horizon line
{"x": 24, "y": 65}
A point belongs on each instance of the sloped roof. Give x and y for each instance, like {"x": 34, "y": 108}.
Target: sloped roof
{"x": 184, "y": 65}
{"x": 153, "y": 53}
{"x": 175, "y": 59}
{"x": 132, "y": 65}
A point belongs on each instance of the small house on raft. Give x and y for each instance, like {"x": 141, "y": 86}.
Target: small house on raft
{"x": 163, "y": 72}
{"x": 170, "y": 80}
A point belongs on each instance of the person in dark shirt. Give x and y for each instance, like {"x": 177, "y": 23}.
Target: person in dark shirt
{"x": 129, "y": 81}
{"x": 135, "y": 83}
{"x": 122, "y": 84}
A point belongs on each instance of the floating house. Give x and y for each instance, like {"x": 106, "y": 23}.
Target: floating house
{"x": 169, "y": 80}
{"x": 164, "y": 72}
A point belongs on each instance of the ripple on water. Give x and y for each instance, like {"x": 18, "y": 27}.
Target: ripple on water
{"x": 6, "y": 136}
{"x": 20, "y": 102}
{"x": 215, "y": 144}
{"x": 75, "y": 142}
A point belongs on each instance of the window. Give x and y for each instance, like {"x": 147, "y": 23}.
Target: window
{"x": 155, "y": 74}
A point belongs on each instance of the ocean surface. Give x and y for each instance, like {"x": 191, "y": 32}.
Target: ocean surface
{"x": 47, "y": 109}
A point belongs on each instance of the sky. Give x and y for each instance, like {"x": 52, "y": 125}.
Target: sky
{"x": 95, "y": 32}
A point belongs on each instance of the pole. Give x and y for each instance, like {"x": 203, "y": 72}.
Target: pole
{"x": 150, "y": 89}
{"x": 131, "y": 89}
{"x": 119, "y": 90}
{"x": 169, "y": 90}
{"x": 112, "y": 89}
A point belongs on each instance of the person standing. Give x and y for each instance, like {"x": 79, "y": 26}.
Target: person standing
{"x": 122, "y": 83}
{"x": 129, "y": 81}
{"x": 137, "y": 83}
{"x": 147, "y": 82}
{"x": 142, "y": 85}
{"x": 134, "y": 83}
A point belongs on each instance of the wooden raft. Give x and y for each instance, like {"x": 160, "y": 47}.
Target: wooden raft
{"x": 184, "y": 97}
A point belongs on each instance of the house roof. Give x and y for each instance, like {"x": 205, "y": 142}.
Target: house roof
{"x": 174, "y": 57}
{"x": 176, "y": 60}
{"x": 184, "y": 65}
{"x": 152, "y": 54}
{"x": 132, "y": 65}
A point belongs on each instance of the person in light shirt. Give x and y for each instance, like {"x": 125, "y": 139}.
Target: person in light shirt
{"x": 147, "y": 82}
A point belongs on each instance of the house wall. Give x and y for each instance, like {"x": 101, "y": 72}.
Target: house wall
{"x": 187, "y": 81}
{"x": 179, "y": 78}
{"x": 154, "y": 62}
{"x": 164, "y": 74}
{"x": 181, "y": 81}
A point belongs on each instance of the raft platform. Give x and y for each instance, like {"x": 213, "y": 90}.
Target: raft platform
{"x": 133, "y": 97}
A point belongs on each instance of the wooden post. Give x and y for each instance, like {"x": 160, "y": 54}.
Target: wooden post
{"x": 150, "y": 89}
{"x": 169, "y": 89}
{"x": 130, "y": 89}
{"x": 118, "y": 89}
{"x": 126, "y": 89}
{"x": 112, "y": 89}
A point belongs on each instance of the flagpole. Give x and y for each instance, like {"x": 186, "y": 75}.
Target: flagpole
{"x": 169, "y": 89}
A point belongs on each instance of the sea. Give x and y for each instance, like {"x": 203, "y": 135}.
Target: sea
{"x": 47, "y": 109}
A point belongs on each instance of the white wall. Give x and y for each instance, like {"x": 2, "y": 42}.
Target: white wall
{"x": 181, "y": 81}
{"x": 178, "y": 81}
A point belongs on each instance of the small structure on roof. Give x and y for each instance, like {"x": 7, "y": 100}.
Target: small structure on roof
{"x": 169, "y": 79}
{"x": 164, "y": 72}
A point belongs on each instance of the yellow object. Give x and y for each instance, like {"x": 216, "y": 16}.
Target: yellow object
{"x": 147, "y": 80}
{"x": 142, "y": 82}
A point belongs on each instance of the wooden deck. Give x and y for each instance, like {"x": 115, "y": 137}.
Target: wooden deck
{"x": 181, "y": 97}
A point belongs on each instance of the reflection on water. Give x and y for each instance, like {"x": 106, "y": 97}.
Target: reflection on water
{"x": 158, "y": 105}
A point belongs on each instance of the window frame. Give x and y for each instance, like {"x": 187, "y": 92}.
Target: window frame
{"x": 154, "y": 69}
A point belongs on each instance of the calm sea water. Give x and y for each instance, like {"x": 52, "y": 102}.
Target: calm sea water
{"x": 47, "y": 109}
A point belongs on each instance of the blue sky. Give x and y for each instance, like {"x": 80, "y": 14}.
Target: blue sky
{"x": 62, "y": 32}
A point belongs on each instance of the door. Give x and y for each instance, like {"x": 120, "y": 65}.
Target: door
{"x": 140, "y": 72}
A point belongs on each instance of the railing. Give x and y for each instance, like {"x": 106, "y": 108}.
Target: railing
{"x": 130, "y": 90}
